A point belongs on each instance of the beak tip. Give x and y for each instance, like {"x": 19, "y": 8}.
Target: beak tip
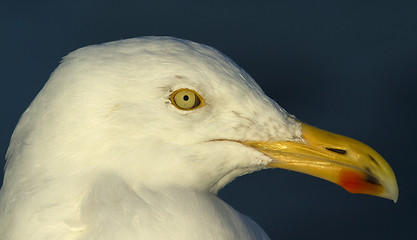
{"x": 391, "y": 191}
{"x": 395, "y": 195}
{"x": 391, "y": 185}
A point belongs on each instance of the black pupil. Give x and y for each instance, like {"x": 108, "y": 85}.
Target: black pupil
{"x": 185, "y": 98}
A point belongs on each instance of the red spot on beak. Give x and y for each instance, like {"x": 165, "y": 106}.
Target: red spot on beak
{"x": 355, "y": 182}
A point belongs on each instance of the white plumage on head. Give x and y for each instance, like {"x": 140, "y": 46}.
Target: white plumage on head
{"x": 133, "y": 139}
{"x": 103, "y": 153}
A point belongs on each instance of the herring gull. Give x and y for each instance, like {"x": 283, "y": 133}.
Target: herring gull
{"x": 133, "y": 139}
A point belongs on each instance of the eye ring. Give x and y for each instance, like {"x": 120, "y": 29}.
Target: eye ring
{"x": 186, "y": 99}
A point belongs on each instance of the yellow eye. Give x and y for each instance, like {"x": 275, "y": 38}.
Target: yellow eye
{"x": 186, "y": 99}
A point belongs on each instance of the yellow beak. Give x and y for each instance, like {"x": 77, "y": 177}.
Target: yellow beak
{"x": 349, "y": 163}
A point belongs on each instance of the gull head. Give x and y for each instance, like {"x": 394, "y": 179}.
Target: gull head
{"x": 160, "y": 112}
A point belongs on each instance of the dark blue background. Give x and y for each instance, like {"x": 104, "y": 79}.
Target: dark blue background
{"x": 345, "y": 66}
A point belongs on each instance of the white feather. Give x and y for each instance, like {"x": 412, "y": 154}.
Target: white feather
{"x": 102, "y": 153}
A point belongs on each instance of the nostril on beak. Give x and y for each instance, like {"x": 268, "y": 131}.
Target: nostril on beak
{"x": 337, "y": 150}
